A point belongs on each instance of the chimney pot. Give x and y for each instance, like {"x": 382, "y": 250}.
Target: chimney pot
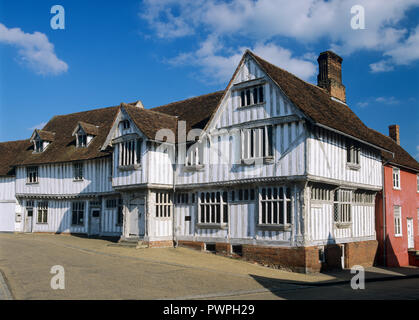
{"x": 330, "y": 75}
{"x": 394, "y": 132}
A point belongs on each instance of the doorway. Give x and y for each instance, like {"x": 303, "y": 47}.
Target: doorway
{"x": 28, "y": 219}
{"x": 410, "y": 236}
{"x": 94, "y": 222}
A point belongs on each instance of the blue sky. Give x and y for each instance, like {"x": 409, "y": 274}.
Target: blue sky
{"x": 164, "y": 50}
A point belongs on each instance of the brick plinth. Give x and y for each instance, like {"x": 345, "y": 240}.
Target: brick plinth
{"x": 360, "y": 253}
{"x": 160, "y": 244}
{"x": 299, "y": 259}
{"x": 191, "y": 244}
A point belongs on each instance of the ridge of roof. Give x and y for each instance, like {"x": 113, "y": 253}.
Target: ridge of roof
{"x": 291, "y": 74}
{"x": 189, "y": 99}
{"x": 317, "y": 104}
{"x": 85, "y": 111}
{"x": 150, "y": 110}
{"x": 401, "y": 156}
{"x": 150, "y": 122}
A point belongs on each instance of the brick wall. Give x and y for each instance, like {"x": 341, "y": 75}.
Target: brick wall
{"x": 360, "y": 253}
{"x": 300, "y": 259}
{"x": 160, "y": 244}
{"x": 285, "y": 258}
{"x": 192, "y": 244}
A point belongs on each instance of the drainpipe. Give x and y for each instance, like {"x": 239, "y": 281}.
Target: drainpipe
{"x": 174, "y": 190}
{"x": 384, "y": 214}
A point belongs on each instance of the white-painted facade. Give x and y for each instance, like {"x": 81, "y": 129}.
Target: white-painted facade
{"x": 278, "y": 209}
{"x": 7, "y": 204}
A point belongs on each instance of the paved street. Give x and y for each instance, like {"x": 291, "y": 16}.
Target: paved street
{"x": 95, "y": 270}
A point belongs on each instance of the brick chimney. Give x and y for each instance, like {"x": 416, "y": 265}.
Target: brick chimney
{"x": 394, "y": 132}
{"x": 330, "y": 75}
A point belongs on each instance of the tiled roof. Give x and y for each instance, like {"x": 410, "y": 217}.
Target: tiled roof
{"x": 9, "y": 151}
{"x": 63, "y": 148}
{"x": 401, "y": 156}
{"x": 195, "y": 111}
{"x": 149, "y": 121}
{"x": 45, "y": 135}
{"x": 88, "y": 128}
{"x": 316, "y": 103}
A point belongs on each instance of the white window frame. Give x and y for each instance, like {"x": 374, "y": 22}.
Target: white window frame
{"x": 398, "y": 228}
{"x": 77, "y": 208}
{"x": 213, "y": 209}
{"x": 164, "y": 204}
{"x": 275, "y": 206}
{"x": 38, "y": 145}
{"x": 342, "y": 207}
{"x": 353, "y": 153}
{"x": 32, "y": 174}
{"x": 396, "y": 178}
{"x": 129, "y": 153}
{"x": 42, "y": 212}
{"x": 195, "y": 155}
{"x": 120, "y": 213}
{"x": 364, "y": 197}
{"x": 417, "y": 184}
{"x": 243, "y": 195}
{"x": 81, "y": 139}
{"x": 247, "y": 96}
{"x": 125, "y": 124}
{"x": 78, "y": 171}
{"x": 256, "y": 143}
{"x": 111, "y": 203}
{"x": 319, "y": 193}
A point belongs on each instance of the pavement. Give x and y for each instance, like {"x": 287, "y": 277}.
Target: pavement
{"x": 94, "y": 269}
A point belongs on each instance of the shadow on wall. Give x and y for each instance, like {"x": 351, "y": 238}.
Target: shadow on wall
{"x": 332, "y": 255}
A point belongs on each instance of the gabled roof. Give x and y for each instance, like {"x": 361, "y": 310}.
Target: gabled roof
{"x": 88, "y": 128}
{"x": 401, "y": 156}
{"x": 317, "y": 104}
{"x": 63, "y": 148}
{"x": 43, "y": 135}
{"x": 150, "y": 121}
{"x": 9, "y": 151}
{"x": 195, "y": 111}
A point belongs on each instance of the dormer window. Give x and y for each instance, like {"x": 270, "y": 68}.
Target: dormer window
{"x": 81, "y": 140}
{"x": 38, "y": 145}
{"x": 41, "y": 139}
{"x": 85, "y": 133}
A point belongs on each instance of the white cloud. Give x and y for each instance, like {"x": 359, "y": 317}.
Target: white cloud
{"x": 34, "y": 50}
{"x": 38, "y": 126}
{"x": 387, "y": 100}
{"x": 381, "y": 66}
{"x": 417, "y": 153}
{"x": 362, "y": 104}
{"x": 218, "y": 68}
{"x": 306, "y": 21}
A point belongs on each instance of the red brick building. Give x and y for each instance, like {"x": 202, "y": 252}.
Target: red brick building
{"x": 397, "y": 212}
